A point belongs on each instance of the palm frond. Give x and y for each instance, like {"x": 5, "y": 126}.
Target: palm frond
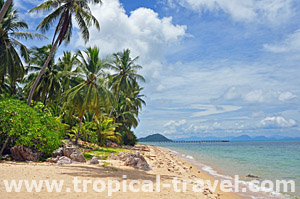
{"x": 28, "y": 35}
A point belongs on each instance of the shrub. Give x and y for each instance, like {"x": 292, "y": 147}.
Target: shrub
{"x": 27, "y": 126}
{"x": 129, "y": 138}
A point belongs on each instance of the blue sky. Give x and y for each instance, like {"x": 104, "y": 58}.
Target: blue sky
{"x": 213, "y": 67}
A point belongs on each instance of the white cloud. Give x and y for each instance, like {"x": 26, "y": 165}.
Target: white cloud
{"x": 247, "y": 95}
{"x": 173, "y": 123}
{"x": 143, "y": 32}
{"x": 274, "y": 11}
{"x": 290, "y": 44}
{"x": 211, "y": 109}
{"x": 277, "y": 122}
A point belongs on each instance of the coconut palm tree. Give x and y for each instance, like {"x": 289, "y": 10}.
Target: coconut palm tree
{"x": 5, "y": 87}
{"x": 127, "y": 112}
{"x": 92, "y": 93}
{"x": 128, "y": 108}
{"x": 4, "y": 9}
{"x": 11, "y": 63}
{"x": 64, "y": 11}
{"x": 68, "y": 64}
{"x": 126, "y": 74}
{"x": 51, "y": 85}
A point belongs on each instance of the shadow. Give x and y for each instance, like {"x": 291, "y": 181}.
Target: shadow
{"x": 109, "y": 172}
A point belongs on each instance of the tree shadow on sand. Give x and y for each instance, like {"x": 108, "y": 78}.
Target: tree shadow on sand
{"x": 101, "y": 172}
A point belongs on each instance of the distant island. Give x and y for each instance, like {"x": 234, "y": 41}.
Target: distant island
{"x": 154, "y": 138}
{"x": 160, "y": 138}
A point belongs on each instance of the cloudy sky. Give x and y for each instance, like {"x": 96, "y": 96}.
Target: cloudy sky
{"x": 213, "y": 67}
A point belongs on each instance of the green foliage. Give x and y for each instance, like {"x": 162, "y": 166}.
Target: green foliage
{"x": 77, "y": 90}
{"x": 129, "y": 138}
{"x": 88, "y": 132}
{"x": 63, "y": 12}
{"x": 12, "y": 50}
{"x": 28, "y": 126}
{"x": 92, "y": 93}
{"x": 106, "y": 129}
{"x": 103, "y": 152}
{"x": 98, "y": 131}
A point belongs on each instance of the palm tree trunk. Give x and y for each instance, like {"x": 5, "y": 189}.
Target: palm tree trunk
{"x": 1, "y": 83}
{"x": 113, "y": 107}
{"x": 44, "y": 102}
{"x": 13, "y": 88}
{"x": 4, "y": 9}
{"x": 41, "y": 72}
{"x": 4, "y": 145}
{"x": 110, "y": 113}
{"x": 78, "y": 133}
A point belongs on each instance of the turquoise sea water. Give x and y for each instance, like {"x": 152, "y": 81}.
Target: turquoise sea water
{"x": 268, "y": 160}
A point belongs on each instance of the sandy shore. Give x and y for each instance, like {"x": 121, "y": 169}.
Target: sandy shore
{"x": 163, "y": 163}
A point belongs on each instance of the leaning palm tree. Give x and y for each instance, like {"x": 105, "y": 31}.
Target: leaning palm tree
{"x": 126, "y": 74}
{"x": 92, "y": 93}
{"x": 11, "y": 65}
{"x": 4, "y": 9}
{"x": 51, "y": 85}
{"x": 64, "y": 11}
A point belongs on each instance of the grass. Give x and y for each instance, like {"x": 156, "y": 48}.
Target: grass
{"x": 96, "y": 150}
{"x": 103, "y": 152}
{"x": 105, "y": 164}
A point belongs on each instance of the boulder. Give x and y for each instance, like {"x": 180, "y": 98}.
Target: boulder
{"x": 112, "y": 144}
{"x": 135, "y": 160}
{"x": 53, "y": 160}
{"x": 77, "y": 157}
{"x": 63, "y": 160}
{"x": 71, "y": 152}
{"x": 252, "y": 176}
{"x": 131, "y": 161}
{"x": 94, "y": 160}
{"x": 58, "y": 152}
{"x": 143, "y": 164}
{"x": 23, "y": 153}
{"x": 68, "y": 151}
{"x": 113, "y": 157}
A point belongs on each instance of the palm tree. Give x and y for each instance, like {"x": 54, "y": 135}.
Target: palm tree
{"x": 128, "y": 108}
{"x": 51, "y": 85}
{"x": 126, "y": 73}
{"x": 67, "y": 63}
{"x": 4, "y": 9}
{"x": 92, "y": 93}
{"x": 106, "y": 130}
{"x": 11, "y": 63}
{"x": 5, "y": 87}
{"x": 64, "y": 11}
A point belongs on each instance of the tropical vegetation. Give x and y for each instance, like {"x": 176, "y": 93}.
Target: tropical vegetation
{"x": 81, "y": 96}
{"x": 11, "y": 49}
{"x": 23, "y": 125}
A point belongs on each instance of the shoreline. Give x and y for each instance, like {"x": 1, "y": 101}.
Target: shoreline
{"x": 216, "y": 174}
{"x": 163, "y": 163}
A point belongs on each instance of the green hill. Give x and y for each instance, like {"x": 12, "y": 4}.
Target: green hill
{"x": 154, "y": 138}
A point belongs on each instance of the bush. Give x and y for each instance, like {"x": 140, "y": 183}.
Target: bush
{"x": 129, "y": 138}
{"x": 98, "y": 131}
{"x": 27, "y": 126}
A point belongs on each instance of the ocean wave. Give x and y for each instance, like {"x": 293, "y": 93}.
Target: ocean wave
{"x": 266, "y": 190}
{"x": 190, "y": 157}
{"x": 212, "y": 172}
{"x": 263, "y": 190}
